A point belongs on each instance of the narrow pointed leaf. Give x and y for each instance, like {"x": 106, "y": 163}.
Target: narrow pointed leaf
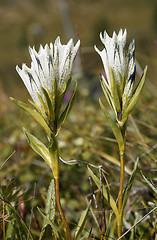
{"x": 153, "y": 187}
{"x": 50, "y": 203}
{"x": 43, "y": 105}
{"x": 106, "y": 194}
{"x": 107, "y": 94}
{"x": 114, "y": 91}
{"x": 38, "y": 147}
{"x": 129, "y": 184}
{"x": 53, "y": 226}
{"x": 58, "y": 99}
{"x": 49, "y": 104}
{"x": 68, "y": 108}
{"x": 34, "y": 113}
{"x": 43, "y": 113}
{"x": 114, "y": 127}
{"x": 135, "y": 97}
{"x": 63, "y": 92}
{"x": 82, "y": 222}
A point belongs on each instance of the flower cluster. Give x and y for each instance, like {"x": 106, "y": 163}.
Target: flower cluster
{"x": 49, "y": 76}
{"x": 120, "y": 69}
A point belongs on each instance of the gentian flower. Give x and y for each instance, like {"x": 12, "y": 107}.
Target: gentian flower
{"x": 120, "y": 69}
{"x": 49, "y": 76}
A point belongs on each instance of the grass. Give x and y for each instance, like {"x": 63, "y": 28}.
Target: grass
{"x": 25, "y": 170}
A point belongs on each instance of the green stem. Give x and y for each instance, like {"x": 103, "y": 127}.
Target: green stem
{"x": 121, "y": 186}
{"x": 60, "y": 209}
{"x": 120, "y": 201}
{"x": 54, "y": 152}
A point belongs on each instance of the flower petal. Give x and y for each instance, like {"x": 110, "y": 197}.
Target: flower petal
{"x": 49, "y": 66}
{"x": 31, "y": 84}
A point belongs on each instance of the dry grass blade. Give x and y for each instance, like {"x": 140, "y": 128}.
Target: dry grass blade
{"x": 137, "y": 223}
{"x": 111, "y": 159}
{"x": 7, "y": 159}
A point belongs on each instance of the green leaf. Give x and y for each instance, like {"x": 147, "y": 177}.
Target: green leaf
{"x": 38, "y": 147}
{"x": 53, "y": 226}
{"x": 68, "y": 108}
{"x": 58, "y": 99}
{"x": 114, "y": 90}
{"x": 49, "y": 207}
{"x": 49, "y": 104}
{"x": 43, "y": 105}
{"x": 129, "y": 184}
{"x": 34, "y": 113}
{"x": 135, "y": 97}
{"x": 114, "y": 127}
{"x": 82, "y": 222}
{"x": 106, "y": 194}
{"x": 50, "y": 203}
{"x": 107, "y": 94}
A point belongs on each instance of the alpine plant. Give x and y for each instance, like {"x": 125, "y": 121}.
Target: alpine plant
{"x": 48, "y": 78}
{"x": 119, "y": 77}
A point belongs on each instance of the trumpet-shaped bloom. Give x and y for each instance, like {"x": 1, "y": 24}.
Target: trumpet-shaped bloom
{"x": 119, "y": 68}
{"x": 114, "y": 55}
{"x": 50, "y": 69}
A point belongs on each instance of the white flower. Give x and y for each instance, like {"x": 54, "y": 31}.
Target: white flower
{"x": 122, "y": 64}
{"x": 114, "y": 55}
{"x": 50, "y": 65}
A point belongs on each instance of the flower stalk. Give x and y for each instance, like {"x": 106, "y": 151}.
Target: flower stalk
{"x": 118, "y": 87}
{"x": 68, "y": 234}
{"x": 121, "y": 185}
{"x": 120, "y": 200}
{"x": 47, "y": 81}
{"x": 54, "y": 153}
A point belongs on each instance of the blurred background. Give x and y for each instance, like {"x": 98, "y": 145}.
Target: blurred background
{"x": 35, "y": 22}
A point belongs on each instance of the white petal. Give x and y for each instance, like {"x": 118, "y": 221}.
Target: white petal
{"x": 49, "y": 67}
{"x": 77, "y": 46}
{"x": 29, "y": 82}
{"x": 56, "y": 60}
{"x": 114, "y": 53}
{"x": 63, "y": 59}
{"x": 68, "y": 60}
{"x": 128, "y": 90}
{"x": 131, "y": 67}
{"x": 39, "y": 65}
{"x": 24, "y": 79}
{"x": 48, "y": 64}
{"x": 104, "y": 56}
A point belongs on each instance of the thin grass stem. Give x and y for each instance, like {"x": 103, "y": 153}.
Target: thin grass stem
{"x": 102, "y": 201}
{"x": 137, "y": 223}
{"x": 4, "y": 221}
